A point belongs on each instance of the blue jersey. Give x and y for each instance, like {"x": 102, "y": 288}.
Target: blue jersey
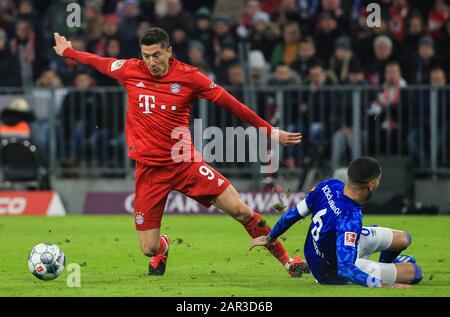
{"x": 331, "y": 246}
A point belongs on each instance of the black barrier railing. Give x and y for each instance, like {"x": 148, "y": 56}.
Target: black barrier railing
{"x": 81, "y": 132}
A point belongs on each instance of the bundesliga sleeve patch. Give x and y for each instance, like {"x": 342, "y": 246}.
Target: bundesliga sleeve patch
{"x": 350, "y": 239}
{"x": 117, "y": 64}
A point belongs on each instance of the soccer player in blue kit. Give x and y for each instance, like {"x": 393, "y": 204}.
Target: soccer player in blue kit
{"x": 337, "y": 246}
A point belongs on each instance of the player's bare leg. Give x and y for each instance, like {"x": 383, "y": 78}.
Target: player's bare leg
{"x": 155, "y": 246}
{"x": 230, "y": 203}
{"x": 408, "y": 273}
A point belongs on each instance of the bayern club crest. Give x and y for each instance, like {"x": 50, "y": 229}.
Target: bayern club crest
{"x": 175, "y": 88}
{"x": 139, "y": 218}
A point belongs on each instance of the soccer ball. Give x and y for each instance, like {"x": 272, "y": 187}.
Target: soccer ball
{"x": 46, "y": 261}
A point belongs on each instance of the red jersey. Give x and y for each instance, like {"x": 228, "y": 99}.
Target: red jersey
{"x": 159, "y": 106}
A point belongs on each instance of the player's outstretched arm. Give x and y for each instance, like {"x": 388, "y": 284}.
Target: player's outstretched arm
{"x": 227, "y": 101}
{"x": 207, "y": 89}
{"x": 283, "y": 224}
{"x": 63, "y": 48}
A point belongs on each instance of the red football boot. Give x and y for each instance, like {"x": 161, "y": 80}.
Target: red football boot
{"x": 157, "y": 265}
{"x": 297, "y": 267}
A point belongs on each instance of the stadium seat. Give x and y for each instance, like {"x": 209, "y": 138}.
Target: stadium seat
{"x": 21, "y": 165}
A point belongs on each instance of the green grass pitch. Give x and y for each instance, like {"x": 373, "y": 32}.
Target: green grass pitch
{"x": 209, "y": 257}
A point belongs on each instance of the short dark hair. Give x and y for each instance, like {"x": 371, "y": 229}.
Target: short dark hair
{"x": 316, "y": 63}
{"x": 307, "y": 40}
{"x": 362, "y": 170}
{"x": 155, "y": 35}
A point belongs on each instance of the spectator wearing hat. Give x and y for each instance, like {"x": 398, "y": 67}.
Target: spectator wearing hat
{"x": 16, "y": 120}
{"x": 286, "y": 51}
{"x": 306, "y": 57}
{"x": 196, "y": 57}
{"x": 222, "y": 36}
{"x": 19, "y": 121}
{"x": 258, "y": 67}
{"x": 196, "y": 53}
{"x": 203, "y": 32}
{"x": 383, "y": 52}
{"x": 423, "y": 60}
{"x": 263, "y": 34}
{"x": 340, "y": 61}
{"x": 9, "y": 64}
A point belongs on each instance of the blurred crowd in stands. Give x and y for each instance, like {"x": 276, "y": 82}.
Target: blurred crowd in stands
{"x": 307, "y": 43}
{"x": 288, "y": 38}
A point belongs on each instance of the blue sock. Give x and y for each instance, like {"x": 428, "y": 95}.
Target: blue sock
{"x": 388, "y": 256}
{"x": 418, "y": 275}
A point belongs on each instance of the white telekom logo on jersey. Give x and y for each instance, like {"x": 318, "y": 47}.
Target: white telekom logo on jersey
{"x": 149, "y": 102}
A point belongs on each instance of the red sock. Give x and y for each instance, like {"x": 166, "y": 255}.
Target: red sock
{"x": 257, "y": 227}
{"x": 162, "y": 245}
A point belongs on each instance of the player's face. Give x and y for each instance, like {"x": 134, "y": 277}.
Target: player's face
{"x": 156, "y": 58}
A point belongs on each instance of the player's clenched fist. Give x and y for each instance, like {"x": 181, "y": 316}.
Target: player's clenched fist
{"x": 61, "y": 43}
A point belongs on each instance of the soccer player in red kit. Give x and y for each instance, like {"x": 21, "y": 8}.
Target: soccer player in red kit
{"x": 160, "y": 94}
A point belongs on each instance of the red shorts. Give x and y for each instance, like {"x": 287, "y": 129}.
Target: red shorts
{"x": 196, "y": 180}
